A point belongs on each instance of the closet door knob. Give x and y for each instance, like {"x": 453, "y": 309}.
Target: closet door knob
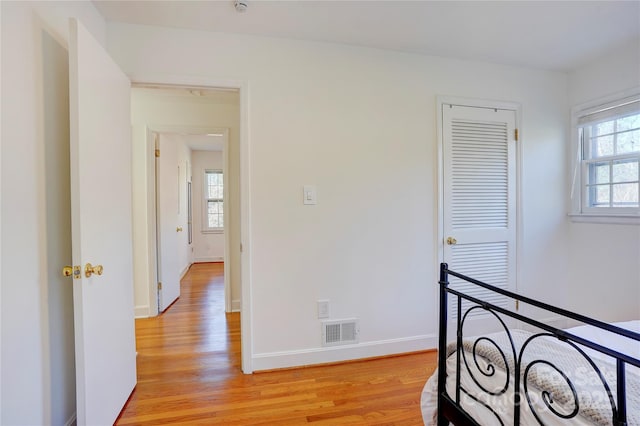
{"x": 452, "y": 241}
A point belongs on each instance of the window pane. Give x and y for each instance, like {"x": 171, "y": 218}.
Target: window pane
{"x": 601, "y": 196}
{"x": 602, "y": 146}
{"x": 625, "y": 195}
{"x": 214, "y": 195}
{"x": 625, "y": 171}
{"x": 603, "y": 128}
{"x": 210, "y": 184}
{"x": 600, "y": 173}
{"x": 213, "y": 221}
{"x": 213, "y": 178}
{"x": 628, "y": 142}
{"x": 215, "y": 214}
{"x": 214, "y": 185}
{"x": 627, "y": 123}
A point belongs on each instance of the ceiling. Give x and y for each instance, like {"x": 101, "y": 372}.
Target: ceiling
{"x": 212, "y": 142}
{"x": 195, "y": 138}
{"x": 552, "y": 35}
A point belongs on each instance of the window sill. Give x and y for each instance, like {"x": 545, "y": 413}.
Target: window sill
{"x": 605, "y": 219}
{"x": 213, "y": 231}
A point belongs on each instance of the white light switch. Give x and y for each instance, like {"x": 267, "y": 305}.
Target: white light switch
{"x": 323, "y": 308}
{"x": 309, "y": 195}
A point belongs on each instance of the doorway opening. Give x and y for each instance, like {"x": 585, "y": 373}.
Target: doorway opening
{"x": 193, "y": 214}
{"x": 196, "y": 130}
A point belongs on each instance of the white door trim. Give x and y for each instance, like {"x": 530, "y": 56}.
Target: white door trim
{"x": 480, "y": 103}
{"x": 245, "y": 191}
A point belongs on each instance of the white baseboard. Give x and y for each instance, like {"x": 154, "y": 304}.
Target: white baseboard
{"x": 274, "y": 360}
{"x": 71, "y": 421}
{"x": 142, "y": 311}
{"x": 208, "y": 259}
{"x": 235, "y": 305}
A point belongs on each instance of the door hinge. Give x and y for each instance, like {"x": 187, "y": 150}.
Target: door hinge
{"x": 240, "y": 247}
{"x": 517, "y": 305}
{"x": 157, "y": 153}
{"x": 159, "y": 285}
{"x": 516, "y": 135}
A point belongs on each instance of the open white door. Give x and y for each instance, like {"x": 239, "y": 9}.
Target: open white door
{"x": 167, "y": 211}
{"x": 101, "y": 230}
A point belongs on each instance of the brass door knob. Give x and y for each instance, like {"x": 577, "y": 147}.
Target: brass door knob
{"x": 90, "y": 270}
{"x": 67, "y": 271}
{"x": 452, "y": 241}
{"x": 179, "y": 229}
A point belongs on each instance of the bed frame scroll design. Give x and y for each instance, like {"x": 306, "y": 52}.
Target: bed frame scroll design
{"x": 449, "y": 407}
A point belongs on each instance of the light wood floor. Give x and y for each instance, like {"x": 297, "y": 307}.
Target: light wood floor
{"x": 189, "y": 373}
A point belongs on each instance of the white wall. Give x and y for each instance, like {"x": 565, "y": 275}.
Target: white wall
{"x": 162, "y": 110}
{"x": 207, "y": 246}
{"x": 605, "y": 258}
{"x": 37, "y": 371}
{"x": 360, "y": 124}
{"x": 617, "y": 71}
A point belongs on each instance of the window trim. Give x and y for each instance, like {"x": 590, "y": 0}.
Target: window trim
{"x": 205, "y": 213}
{"x": 579, "y": 211}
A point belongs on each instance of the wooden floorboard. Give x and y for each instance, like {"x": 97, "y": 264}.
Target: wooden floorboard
{"x": 189, "y": 374}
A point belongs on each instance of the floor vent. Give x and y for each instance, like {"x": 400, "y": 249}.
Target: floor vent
{"x": 340, "y": 332}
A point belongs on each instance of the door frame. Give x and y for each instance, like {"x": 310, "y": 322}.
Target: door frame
{"x": 478, "y": 103}
{"x": 179, "y": 81}
{"x": 152, "y": 130}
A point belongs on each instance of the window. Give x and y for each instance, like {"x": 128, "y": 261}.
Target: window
{"x": 609, "y": 138}
{"x": 214, "y": 200}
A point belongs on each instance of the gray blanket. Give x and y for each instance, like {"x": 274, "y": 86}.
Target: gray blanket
{"x": 545, "y": 376}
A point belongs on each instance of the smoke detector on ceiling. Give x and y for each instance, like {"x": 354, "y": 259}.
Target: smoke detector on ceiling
{"x": 240, "y": 5}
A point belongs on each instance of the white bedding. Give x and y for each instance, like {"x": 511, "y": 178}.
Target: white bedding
{"x": 503, "y": 404}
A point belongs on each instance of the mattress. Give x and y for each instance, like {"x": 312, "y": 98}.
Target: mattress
{"x": 488, "y": 373}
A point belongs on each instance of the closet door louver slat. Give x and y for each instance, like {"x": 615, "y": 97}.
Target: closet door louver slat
{"x": 479, "y": 175}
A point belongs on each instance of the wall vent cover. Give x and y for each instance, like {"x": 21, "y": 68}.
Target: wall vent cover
{"x": 340, "y": 332}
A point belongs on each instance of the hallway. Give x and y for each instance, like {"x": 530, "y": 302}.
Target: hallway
{"x": 187, "y": 352}
{"x": 189, "y": 373}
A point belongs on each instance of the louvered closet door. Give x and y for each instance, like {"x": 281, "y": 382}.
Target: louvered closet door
{"x": 479, "y": 209}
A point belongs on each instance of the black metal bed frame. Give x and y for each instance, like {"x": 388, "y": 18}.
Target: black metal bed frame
{"x": 449, "y": 408}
